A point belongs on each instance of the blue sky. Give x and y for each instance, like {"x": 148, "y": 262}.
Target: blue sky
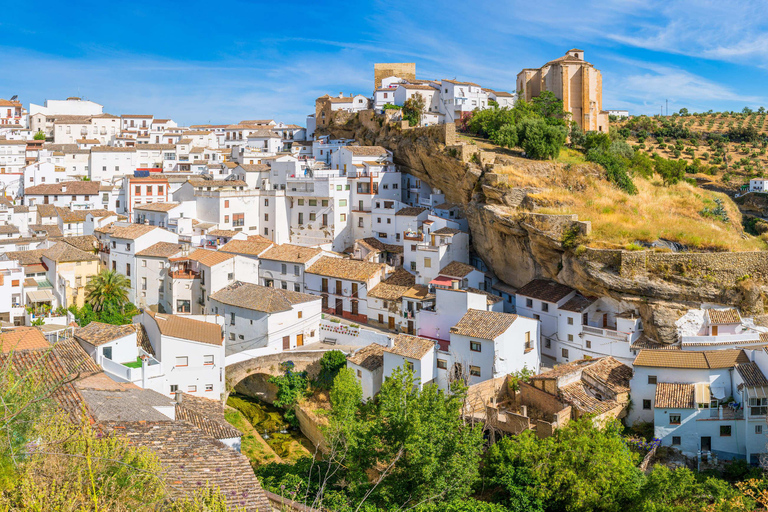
{"x": 200, "y": 62}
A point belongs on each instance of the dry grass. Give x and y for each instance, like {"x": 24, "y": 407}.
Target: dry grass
{"x": 672, "y": 213}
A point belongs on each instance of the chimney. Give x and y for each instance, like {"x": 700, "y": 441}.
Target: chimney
{"x": 455, "y": 284}
{"x": 390, "y": 342}
{"x": 179, "y": 397}
{"x": 524, "y": 410}
{"x": 144, "y": 364}
{"x": 63, "y": 189}
{"x": 419, "y": 279}
{"x": 341, "y": 95}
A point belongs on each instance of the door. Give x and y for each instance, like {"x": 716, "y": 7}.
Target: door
{"x": 391, "y": 324}
{"x": 354, "y": 307}
{"x": 605, "y": 320}
{"x": 714, "y": 330}
{"x": 299, "y": 340}
{"x": 107, "y": 351}
{"x": 706, "y": 443}
{"x": 339, "y": 306}
{"x": 410, "y": 326}
{"x": 286, "y": 342}
{"x": 338, "y": 287}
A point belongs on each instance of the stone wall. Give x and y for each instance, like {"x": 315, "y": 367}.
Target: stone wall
{"x": 540, "y": 400}
{"x": 556, "y": 225}
{"x": 381, "y": 70}
{"x": 310, "y": 426}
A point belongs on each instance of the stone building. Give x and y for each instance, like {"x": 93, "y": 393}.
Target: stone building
{"x": 575, "y": 81}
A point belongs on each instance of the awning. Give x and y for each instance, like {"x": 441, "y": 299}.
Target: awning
{"x": 441, "y": 281}
{"x": 702, "y": 394}
{"x": 757, "y": 392}
{"x": 40, "y": 296}
{"x": 718, "y": 392}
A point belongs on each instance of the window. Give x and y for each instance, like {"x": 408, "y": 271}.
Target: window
{"x": 159, "y": 190}
{"x": 570, "y": 320}
{"x": 359, "y": 374}
{"x": 409, "y": 365}
{"x": 312, "y": 217}
{"x": 651, "y": 379}
{"x": 143, "y": 283}
{"x": 343, "y": 217}
{"x": 758, "y": 429}
{"x": 283, "y": 268}
{"x": 266, "y": 202}
{"x": 238, "y": 219}
{"x": 232, "y": 336}
{"x": 529, "y": 303}
{"x": 342, "y": 202}
{"x": 209, "y": 387}
{"x": 544, "y": 307}
{"x": 192, "y": 389}
{"x": 266, "y": 217}
{"x": 128, "y": 269}
{"x": 296, "y": 287}
{"x": 296, "y": 270}
{"x": 313, "y": 202}
{"x": 564, "y": 353}
{"x": 570, "y": 337}
{"x": 137, "y": 190}
{"x": 207, "y": 360}
{"x": 674, "y": 419}
{"x": 107, "y": 352}
{"x": 301, "y": 218}
{"x": 427, "y": 262}
{"x": 182, "y": 361}
{"x": 127, "y": 247}
{"x": 143, "y": 263}
{"x": 474, "y": 371}
{"x": 528, "y": 340}
{"x": 182, "y": 306}
{"x": 301, "y": 202}
{"x": 725, "y": 431}
{"x": 675, "y": 440}
{"x": 442, "y": 364}
{"x": 231, "y": 319}
{"x": 547, "y": 343}
{"x": 758, "y": 406}
{"x": 536, "y": 316}
{"x": 646, "y": 405}
{"x": 300, "y": 314}
{"x": 324, "y": 202}
{"x": 475, "y": 346}
{"x": 174, "y": 389}
{"x": 589, "y": 344}
{"x": 226, "y": 219}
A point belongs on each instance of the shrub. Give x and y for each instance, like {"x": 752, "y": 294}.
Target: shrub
{"x": 540, "y": 140}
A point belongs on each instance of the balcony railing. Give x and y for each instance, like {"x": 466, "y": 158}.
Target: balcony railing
{"x": 607, "y": 333}
{"x": 721, "y": 339}
{"x": 184, "y": 274}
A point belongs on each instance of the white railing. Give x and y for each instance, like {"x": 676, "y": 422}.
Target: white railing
{"x": 721, "y": 339}
{"x": 607, "y": 333}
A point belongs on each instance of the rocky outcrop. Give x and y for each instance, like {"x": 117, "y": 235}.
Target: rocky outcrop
{"x": 519, "y": 245}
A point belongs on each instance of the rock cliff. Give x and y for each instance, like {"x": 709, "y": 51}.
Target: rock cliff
{"x": 520, "y": 245}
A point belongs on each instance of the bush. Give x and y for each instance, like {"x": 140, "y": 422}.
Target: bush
{"x": 540, "y": 140}
{"x": 330, "y": 364}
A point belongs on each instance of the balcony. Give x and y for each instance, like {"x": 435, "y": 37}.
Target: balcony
{"x": 184, "y": 274}
{"x": 607, "y": 333}
{"x": 724, "y": 339}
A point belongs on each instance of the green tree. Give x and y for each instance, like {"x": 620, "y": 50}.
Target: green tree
{"x": 39, "y": 135}
{"x": 291, "y": 387}
{"x": 330, "y": 365}
{"x": 108, "y": 287}
{"x": 540, "y": 140}
{"x": 413, "y": 108}
{"x": 671, "y": 171}
{"x": 506, "y": 136}
{"x": 683, "y": 111}
{"x": 580, "y": 468}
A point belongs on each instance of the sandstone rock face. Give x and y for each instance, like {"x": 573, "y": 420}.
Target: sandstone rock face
{"x": 519, "y": 246}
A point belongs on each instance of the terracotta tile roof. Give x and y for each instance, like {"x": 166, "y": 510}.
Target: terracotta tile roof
{"x": 456, "y": 269}
{"x": 226, "y": 233}
{"x": 198, "y": 182}
{"x": 62, "y": 252}
{"x": 74, "y": 359}
{"x": 751, "y": 374}
{"x": 366, "y": 150}
{"x": 184, "y": 328}
{"x": 261, "y": 298}
{"x": 112, "y": 149}
{"x": 291, "y": 253}
{"x": 160, "y": 250}
{"x": 675, "y": 396}
{"x": 53, "y": 376}
{"x": 97, "y": 333}
{"x": 46, "y": 210}
{"x": 691, "y": 360}
{"x": 50, "y": 230}
{"x": 611, "y": 372}
{"x": 543, "y": 289}
{"x": 579, "y": 396}
{"x": 30, "y": 257}
{"x": 206, "y": 414}
{"x": 370, "y": 357}
{"x": 131, "y": 232}
{"x": 156, "y": 207}
{"x": 644, "y": 342}
{"x": 8, "y": 229}
{"x": 246, "y": 247}
{"x": 395, "y": 286}
{"x": 70, "y": 188}
{"x": 23, "y": 338}
{"x": 456, "y": 82}
{"x": 578, "y": 303}
{"x": 193, "y": 459}
{"x": 412, "y": 347}
{"x": 447, "y": 231}
{"x": 255, "y": 167}
{"x": 724, "y": 316}
{"x": 487, "y": 325}
{"x": 373, "y": 243}
{"x": 210, "y": 258}
{"x": 410, "y": 211}
{"x": 340, "y": 268}
{"x": 83, "y": 242}
{"x": 125, "y": 403}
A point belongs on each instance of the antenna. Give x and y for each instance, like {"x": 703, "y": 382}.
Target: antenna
{"x": 14, "y": 97}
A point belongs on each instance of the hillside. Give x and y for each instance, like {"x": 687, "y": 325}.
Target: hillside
{"x": 723, "y": 150}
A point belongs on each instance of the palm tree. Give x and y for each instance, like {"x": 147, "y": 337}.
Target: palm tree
{"x": 107, "y": 287}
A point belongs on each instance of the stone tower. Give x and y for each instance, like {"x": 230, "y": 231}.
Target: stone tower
{"x": 405, "y": 70}
{"x": 575, "y": 81}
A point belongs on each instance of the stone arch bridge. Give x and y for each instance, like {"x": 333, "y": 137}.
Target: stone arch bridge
{"x": 250, "y": 376}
